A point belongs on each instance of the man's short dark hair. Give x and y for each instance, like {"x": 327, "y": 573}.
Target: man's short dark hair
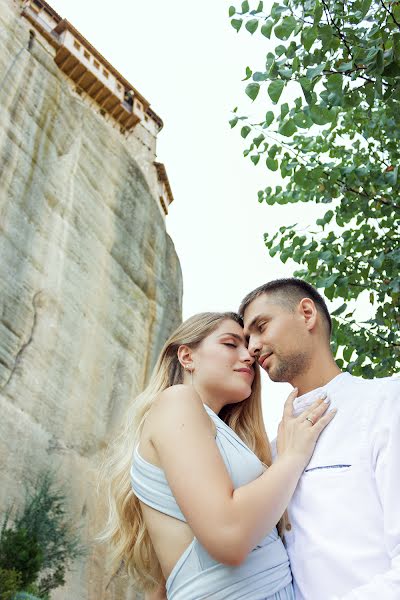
{"x": 291, "y": 291}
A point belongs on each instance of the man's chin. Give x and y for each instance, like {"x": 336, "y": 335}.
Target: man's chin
{"x": 276, "y": 376}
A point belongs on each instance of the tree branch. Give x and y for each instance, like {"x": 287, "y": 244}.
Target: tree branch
{"x": 389, "y": 12}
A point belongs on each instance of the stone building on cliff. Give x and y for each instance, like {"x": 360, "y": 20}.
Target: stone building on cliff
{"x": 91, "y": 283}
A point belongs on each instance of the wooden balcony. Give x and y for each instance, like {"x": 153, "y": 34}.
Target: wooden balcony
{"x": 87, "y": 81}
{"x": 85, "y": 75}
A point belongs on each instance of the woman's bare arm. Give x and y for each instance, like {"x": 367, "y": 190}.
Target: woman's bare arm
{"x": 227, "y": 522}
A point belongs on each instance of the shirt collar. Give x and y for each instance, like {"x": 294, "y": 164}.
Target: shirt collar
{"x": 306, "y": 399}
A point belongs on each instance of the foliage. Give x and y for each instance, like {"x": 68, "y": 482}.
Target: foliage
{"x": 41, "y": 543}
{"x": 10, "y": 583}
{"x": 20, "y": 551}
{"x": 337, "y": 143}
{"x": 27, "y": 596}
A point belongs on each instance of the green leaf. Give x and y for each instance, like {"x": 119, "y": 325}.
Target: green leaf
{"x": 348, "y": 353}
{"x": 334, "y": 83}
{"x": 302, "y": 120}
{"x": 255, "y": 159}
{"x": 233, "y": 121}
{"x": 284, "y": 110}
{"x": 296, "y": 64}
{"x": 236, "y": 24}
{"x": 329, "y": 281}
{"x": 318, "y": 11}
{"x": 315, "y": 71}
{"x": 257, "y": 140}
{"x": 286, "y": 28}
{"x": 269, "y": 117}
{"x": 266, "y": 29}
{"x": 288, "y": 128}
{"x": 252, "y": 90}
{"x": 249, "y": 73}
{"x": 245, "y": 7}
{"x": 320, "y": 114}
{"x": 339, "y": 310}
{"x": 232, "y": 11}
{"x": 277, "y": 10}
{"x": 275, "y": 90}
{"x": 346, "y": 66}
{"x": 365, "y": 6}
{"x": 258, "y": 76}
{"x": 308, "y": 37}
{"x": 396, "y": 46}
{"x": 245, "y": 131}
{"x": 252, "y": 25}
{"x": 272, "y": 164}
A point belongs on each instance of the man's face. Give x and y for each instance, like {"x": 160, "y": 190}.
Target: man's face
{"x": 277, "y": 338}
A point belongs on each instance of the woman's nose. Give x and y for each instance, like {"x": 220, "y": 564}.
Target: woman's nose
{"x": 247, "y": 358}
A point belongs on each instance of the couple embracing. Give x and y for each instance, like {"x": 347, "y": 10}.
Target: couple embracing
{"x": 199, "y": 507}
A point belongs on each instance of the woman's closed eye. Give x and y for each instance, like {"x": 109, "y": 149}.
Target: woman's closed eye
{"x": 230, "y": 344}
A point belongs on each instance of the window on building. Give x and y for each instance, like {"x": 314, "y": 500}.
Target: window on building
{"x": 119, "y": 88}
{"x": 38, "y": 4}
{"x": 86, "y": 54}
{"x": 139, "y": 105}
{"x": 105, "y": 73}
{"x": 96, "y": 64}
{"x": 76, "y": 45}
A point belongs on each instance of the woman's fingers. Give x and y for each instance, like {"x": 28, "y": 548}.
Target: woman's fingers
{"x": 316, "y": 411}
{"x": 288, "y": 407}
{"x": 324, "y": 420}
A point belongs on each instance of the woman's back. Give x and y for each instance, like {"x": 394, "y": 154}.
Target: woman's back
{"x": 191, "y": 572}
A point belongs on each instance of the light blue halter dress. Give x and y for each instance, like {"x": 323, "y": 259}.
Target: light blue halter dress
{"x": 264, "y": 575}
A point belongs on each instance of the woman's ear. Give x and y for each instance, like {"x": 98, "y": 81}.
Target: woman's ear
{"x": 185, "y": 357}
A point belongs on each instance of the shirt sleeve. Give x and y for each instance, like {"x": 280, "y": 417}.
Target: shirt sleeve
{"x": 386, "y": 467}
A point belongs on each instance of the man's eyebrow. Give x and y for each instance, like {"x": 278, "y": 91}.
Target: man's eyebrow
{"x": 234, "y": 335}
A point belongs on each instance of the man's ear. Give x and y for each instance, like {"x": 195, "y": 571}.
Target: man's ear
{"x": 185, "y": 356}
{"x": 309, "y": 313}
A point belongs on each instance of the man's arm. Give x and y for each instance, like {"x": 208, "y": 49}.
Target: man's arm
{"x": 386, "y": 463}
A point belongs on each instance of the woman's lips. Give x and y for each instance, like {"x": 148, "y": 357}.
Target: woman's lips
{"x": 246, "y": 371}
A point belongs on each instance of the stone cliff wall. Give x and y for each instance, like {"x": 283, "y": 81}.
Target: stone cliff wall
{"x": 90, "y": 284}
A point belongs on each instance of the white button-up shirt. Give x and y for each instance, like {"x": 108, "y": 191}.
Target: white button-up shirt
{"x": 345, "y": 513}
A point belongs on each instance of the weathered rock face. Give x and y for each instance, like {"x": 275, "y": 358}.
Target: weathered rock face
{"x": 90, "y": 285}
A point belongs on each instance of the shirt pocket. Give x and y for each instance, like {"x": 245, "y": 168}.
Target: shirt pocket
{"x": 335, "y": 468}
{"x": 327, "y": 485}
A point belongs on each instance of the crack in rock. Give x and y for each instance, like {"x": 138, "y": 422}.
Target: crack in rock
{"x": 24, "y": 346}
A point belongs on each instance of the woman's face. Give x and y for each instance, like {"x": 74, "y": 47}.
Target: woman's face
{"x": 223, "y": 367}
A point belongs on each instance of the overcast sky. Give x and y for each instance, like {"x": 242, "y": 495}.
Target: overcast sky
{"x": 188, "y": 61}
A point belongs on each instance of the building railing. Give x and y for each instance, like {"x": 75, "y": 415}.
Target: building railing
{"x": 127, "y": 106}
{"x": 28, "y": 10}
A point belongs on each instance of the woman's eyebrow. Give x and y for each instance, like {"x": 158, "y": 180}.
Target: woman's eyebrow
{"x": 234, "y": 335}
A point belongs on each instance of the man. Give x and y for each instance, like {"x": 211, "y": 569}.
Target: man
{"x": 344, "y": 534}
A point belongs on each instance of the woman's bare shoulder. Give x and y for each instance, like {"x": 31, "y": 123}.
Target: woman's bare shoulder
{"x": 177, "y": 401}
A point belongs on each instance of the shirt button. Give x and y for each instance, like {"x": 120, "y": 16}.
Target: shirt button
{"x": 288, "y": 527}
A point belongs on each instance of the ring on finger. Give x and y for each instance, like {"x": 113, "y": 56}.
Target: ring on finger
{"x": 311, "y": 421}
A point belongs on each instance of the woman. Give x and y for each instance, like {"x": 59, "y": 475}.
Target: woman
{"x": 196, "y": 508}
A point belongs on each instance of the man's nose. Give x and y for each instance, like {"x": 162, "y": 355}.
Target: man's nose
{"x": 254, "y": 346}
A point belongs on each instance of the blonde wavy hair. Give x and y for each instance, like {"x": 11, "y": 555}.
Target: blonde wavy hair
{"x": 126, "y": 531}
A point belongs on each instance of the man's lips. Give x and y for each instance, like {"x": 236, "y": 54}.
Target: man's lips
{"x": 263, "y": 358}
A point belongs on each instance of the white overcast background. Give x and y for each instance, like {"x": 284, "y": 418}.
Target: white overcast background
{"x": 188, "y": 62}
